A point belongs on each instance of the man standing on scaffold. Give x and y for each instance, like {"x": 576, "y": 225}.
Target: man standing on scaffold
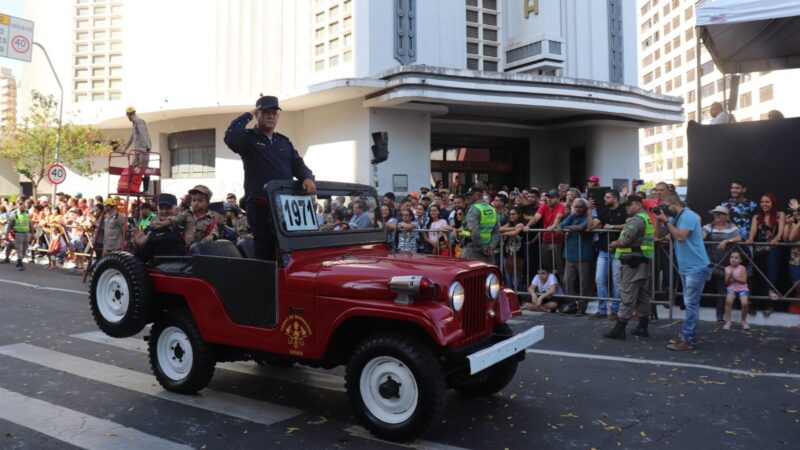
{"x": 140, "y": 139}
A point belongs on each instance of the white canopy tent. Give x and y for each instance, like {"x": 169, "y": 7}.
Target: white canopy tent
{"x": 750, "y": 35}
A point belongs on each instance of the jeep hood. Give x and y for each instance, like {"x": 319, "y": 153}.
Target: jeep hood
{"x": 367, "y": 276}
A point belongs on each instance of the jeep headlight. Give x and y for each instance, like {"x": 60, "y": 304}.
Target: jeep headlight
{"x": 492, "y": 286}
{"x": 456, "y": 296}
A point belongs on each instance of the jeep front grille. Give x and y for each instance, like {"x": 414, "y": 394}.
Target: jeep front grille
{"x": 473, "y": 316}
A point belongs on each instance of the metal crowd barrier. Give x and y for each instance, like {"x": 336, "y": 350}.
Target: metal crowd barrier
{"x": 662, "y": 280}
{"x": 747, "y": 251}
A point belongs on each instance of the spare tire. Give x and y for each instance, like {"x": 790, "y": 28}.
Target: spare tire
{"x": 120, "y": 295}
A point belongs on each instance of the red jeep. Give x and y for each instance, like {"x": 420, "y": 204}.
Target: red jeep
{"x": 407, "y": 326}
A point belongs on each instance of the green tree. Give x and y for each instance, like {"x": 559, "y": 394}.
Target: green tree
{"x": 31, "y": 143}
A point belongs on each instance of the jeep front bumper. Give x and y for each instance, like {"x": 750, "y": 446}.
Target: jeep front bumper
{"x": 490, "y": 356}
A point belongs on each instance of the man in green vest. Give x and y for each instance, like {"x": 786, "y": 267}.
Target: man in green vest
{"x": 634, "y": 249}
{"x": 481, "y": 230}
{"x": 20, "y": 222}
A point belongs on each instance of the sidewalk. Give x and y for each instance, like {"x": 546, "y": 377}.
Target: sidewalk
{"x": 708, "y": 314}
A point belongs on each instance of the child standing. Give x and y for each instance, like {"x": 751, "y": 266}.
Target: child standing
{"x": 736, "y": 282}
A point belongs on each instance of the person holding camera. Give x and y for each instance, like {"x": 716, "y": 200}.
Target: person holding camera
{"x": 634, "y": 249}
{"x": 683, "y": 226}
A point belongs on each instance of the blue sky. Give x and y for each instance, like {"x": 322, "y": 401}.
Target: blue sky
{"x": 14, "y": 8}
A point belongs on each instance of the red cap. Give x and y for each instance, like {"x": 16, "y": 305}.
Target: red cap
{"x": 594, "y": 179}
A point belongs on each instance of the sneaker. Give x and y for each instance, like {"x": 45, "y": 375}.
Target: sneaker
{"x": 680, "y": 346}
{"x": 727, "y": 326}
{"x": 613, "y": 317}
{"x": 678, "y": 339}
{"x": 745, "y": 326}
{"x": 597, "y": 315}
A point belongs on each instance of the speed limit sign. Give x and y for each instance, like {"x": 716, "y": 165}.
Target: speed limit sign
{"x": 56, "y": 173}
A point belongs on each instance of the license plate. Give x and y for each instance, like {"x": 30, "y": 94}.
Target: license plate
{"x": 488, "y": 357}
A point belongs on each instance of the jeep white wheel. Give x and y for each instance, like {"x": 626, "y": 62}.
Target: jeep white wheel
{"x": 181, "y": 360}
{"x": 113, "y": 295}
{"x": 389, "y": 389}
{"x": 174, "y": 353}
{"x": 395, "y": 385}
{"x": 120, "y": 295}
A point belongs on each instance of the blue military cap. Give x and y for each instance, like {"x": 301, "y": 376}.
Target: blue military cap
{"x": 217, "y": 207}
{"x": 167, "y": 199}
{"x": 268, "y": 102}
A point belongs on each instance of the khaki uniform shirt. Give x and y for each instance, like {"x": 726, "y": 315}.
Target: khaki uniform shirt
{"x": 112, "y": 232}
{"x": 196, "y": 228}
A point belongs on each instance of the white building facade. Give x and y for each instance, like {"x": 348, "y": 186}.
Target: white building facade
{"x": 668, "y": 65}
{"x": 515, "y": 92}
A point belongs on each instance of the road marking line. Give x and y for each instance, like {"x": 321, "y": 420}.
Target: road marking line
{"x": 666, "y": 363}
{"x": 43, "y": 288}
{"x": 218, "y": 402}
{"x": 299, "y": 375}
{"x": 361, "y": 432}
{"x": 75, "y": 427}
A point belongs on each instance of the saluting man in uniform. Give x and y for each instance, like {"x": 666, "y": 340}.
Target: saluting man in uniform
{"x": 481, "y": 230}
{"x": 634, "y": 249}
{"x": 266, "y": 155}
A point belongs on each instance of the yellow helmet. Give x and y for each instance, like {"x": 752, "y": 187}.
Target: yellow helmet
{"x": 130, "y": 110}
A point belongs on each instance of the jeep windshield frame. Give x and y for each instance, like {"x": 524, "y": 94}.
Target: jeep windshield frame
{"x": 309, "y": 239}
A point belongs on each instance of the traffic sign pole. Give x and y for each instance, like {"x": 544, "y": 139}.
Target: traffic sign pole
{"x": 60, "y": 106}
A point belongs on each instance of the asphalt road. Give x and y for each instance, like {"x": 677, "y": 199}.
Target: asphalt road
{"x": 62, "y": 382}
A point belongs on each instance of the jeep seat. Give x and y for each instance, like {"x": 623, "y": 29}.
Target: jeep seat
{"x": 215, "y": 248}
{"x": 247, "y": 248}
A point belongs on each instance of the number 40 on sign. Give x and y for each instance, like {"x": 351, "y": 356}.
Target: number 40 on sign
{"x": 56, "y": 173}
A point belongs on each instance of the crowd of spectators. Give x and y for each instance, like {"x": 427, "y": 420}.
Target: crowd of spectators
{"x": 559, "y": 236}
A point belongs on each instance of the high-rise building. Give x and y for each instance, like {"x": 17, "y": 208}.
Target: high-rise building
{"x": 8, "y": 97}
{"x": 668, "y": 65}
{"x": 515, "y": 92}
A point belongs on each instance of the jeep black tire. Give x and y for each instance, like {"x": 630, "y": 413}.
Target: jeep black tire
{"x": 181, "y": 361}
{"x": 396, "y": 386}
{"x": 490, "y": 380}
{"x": 120, "y": 295}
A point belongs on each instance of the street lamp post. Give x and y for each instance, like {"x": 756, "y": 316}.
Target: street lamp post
{"x": 60, "y": 107}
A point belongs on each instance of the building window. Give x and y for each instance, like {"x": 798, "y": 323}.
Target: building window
{"x": 689, "y": 34}
{"x": 765, "y": 93}
{"x": 679, "y": 162}
{"x": 689, "y": 13}
{"x": 192, "y": 154}
{"x": 677, "y": 82}
{"x": 405, "y": 29}
{"x": 707, "y": 90}
{"x": 707, "y": 68}
{"x": 690, "y": 75}
{"x": 692, "y": 116}
{"x": 616, "y": 61}
{"x": 482, "y": 35}
{"x": 745, "y": 100}
{"x": 679, "y": 142}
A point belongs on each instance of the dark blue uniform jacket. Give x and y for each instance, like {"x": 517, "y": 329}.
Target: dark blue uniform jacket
{"x": 264, "y": 160}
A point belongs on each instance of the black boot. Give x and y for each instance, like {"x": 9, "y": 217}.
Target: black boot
{"x": 618, "y": 332}
{"x": 641, "y": 330}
